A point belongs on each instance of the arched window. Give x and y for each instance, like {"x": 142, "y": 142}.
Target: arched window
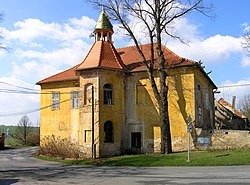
{"x": 108, "y": 94}
{"x": 108, "y": 132}
{"x": 88, "y": 94}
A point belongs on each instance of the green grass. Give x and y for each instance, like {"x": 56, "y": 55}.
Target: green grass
{"x": 12, "y": 129}
{"x": 207, "y": 158}
{"x": 11, "y": 141}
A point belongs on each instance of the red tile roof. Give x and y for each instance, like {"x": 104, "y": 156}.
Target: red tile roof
{"x": 68, "y": 74}
{"x": 132, "y": 59}
{"x": 228, "y": 106}
{"x": 103, "y": 55}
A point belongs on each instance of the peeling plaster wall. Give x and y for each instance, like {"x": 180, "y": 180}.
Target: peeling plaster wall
{"x": 230, "y": 139}
{"x": 87, "y": 79}
{"x": 142, "y": 112}
{"x": 63, "y": 122}
{"x": 134, "y": 110}
{"x": 114, "y": 113}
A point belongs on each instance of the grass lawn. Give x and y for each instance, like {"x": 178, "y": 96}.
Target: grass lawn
{"x": 197, "y": 158}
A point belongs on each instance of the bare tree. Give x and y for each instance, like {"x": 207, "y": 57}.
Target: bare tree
{"x": 157, "y": 18}
{"x": 23, "y": 130}
{"x": 246, "y": 40}
{"x": 1, "y": 18}
{"x": 244, "y": 105}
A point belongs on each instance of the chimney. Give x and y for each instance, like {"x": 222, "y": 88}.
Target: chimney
{"x": 233, "y": 102}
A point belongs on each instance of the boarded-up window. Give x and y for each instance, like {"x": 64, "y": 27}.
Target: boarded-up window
{"x": 207, "y": 101}
{"x": 157, "y": 139}
{"x": 200, "y": 114}
{"x": 87, "y": 136}
{"x": 140, "y": 94}
{"x": 88, "y": 94}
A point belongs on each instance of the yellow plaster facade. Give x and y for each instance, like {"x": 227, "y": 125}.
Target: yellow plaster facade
{"x": 126, "y": 117}
{"x": 63, "y": 122}
{"x": 133, "y": 110}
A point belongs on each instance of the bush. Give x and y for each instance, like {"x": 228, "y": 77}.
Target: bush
{"x": 57, "y": 147}
{"x": 33, "y": 139}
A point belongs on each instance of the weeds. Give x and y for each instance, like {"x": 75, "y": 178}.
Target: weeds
{"x": 60, "y": 148}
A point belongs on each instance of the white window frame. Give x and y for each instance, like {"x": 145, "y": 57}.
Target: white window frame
{"x": 55, "y": 101}
{"x": 75, "y": 99}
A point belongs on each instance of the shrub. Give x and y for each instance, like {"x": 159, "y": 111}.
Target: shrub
{"x": 33, "y": 139}
{"x": 57, "y": 147}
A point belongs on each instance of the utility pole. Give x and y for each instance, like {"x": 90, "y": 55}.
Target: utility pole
{"x": 93, "y": 125}
{"x": 189, "y": 130}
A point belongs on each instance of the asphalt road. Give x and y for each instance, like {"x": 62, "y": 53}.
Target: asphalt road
{"x": 17, "y": 167}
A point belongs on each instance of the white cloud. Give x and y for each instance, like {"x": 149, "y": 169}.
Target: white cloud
{"x": 30, "y": 29}
{"x": 39, "y": 50}
{"x": 41, "y": 64}
{"x": 17, "y": 102}
{"x": 84, "y": 22}
{"x": 2, "y": 52}
{"x": 57, "y": 57}
{"x": 33, "y": 69}
{"x": 212, "y": 50}
{"x": 245, "y": 61}
{"x": 215, "y": 49}
{"x": 184, "y": 29}
{"x": 228, "y": 89}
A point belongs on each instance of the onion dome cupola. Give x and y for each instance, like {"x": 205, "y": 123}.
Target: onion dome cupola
{"x": 104, "y": 28}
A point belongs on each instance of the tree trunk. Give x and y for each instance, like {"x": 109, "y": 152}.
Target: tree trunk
{"x": 166, "y": 143}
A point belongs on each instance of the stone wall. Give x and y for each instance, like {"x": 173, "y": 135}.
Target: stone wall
{"x": 230, "y": 139}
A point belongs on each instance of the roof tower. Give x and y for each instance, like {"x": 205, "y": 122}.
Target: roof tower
{"x": 104, "y": 28}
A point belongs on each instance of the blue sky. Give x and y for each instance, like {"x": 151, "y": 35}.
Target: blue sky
{"x": 47, "y": 36}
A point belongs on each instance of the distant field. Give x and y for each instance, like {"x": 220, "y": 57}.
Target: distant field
{"x": 10, "y": 141}
{"x": 3, "y": 129}
{"x": 12, "y": 129}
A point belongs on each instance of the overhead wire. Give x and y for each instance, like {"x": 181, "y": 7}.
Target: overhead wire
{"x": 14, "y": 91}
{"x": 18, "y": 86}
{"x": 236, "y": 85}
{"x": 30, "y": 111}
{"x": 35, "y": 91}
{"x": 37, "y": 109}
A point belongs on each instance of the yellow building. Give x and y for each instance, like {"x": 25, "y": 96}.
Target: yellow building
{"x": 123, "y": 109}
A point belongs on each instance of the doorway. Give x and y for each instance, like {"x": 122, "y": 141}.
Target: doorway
{"x": 136, "y": 140}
